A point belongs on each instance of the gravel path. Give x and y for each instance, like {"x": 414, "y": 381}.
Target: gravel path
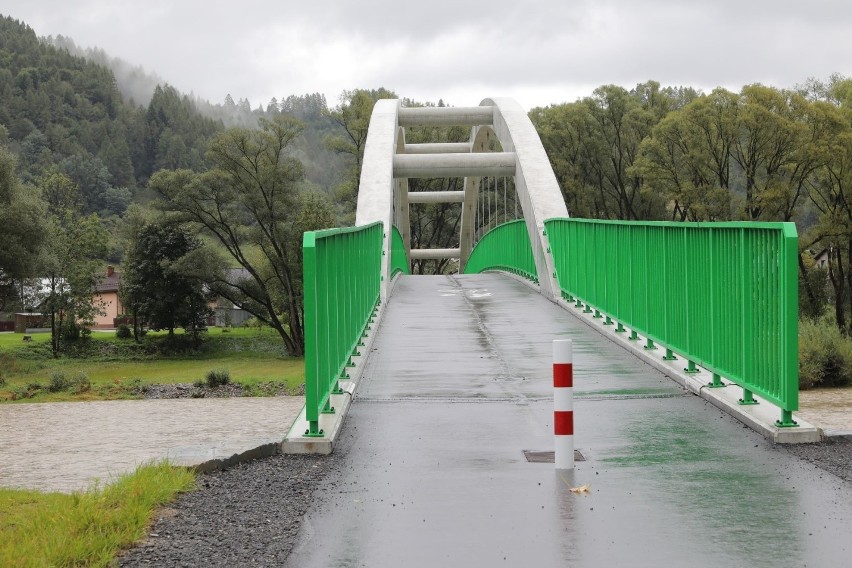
{"x": 247, "y": 515}
{"x": 834, "y": 456}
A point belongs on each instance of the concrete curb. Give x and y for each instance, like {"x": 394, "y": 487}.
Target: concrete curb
{"x": 296, "y": 442}
{"x": 760, "y": 418}
{"x": 837, "y": 434}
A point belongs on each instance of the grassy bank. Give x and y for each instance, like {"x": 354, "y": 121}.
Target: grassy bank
{"x": 88, "y": 528}
{"x": 104, "y": 368}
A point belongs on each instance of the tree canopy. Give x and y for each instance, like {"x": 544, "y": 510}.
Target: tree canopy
{"x": 250, "y": 202}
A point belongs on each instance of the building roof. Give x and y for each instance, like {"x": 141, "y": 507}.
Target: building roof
{"x": 110, "y": 283}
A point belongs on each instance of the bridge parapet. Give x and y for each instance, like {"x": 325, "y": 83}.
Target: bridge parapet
{"x": 722, "y": 295}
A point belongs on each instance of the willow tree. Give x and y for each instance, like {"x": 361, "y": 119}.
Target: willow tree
{"x": 252, "y": 203}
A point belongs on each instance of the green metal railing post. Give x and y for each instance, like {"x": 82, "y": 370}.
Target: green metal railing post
{"x": 716, "y": 382}
{"x": 748, "y": 398}
{"x": 690, "y": 369}
{"x": 786, "y": 420}
{"x": 669, "y": 356}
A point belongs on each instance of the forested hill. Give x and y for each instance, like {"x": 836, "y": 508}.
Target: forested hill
{"x": 62, "y": 111}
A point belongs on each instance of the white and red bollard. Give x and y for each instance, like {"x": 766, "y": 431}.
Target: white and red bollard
{"x": 563, "y": 403}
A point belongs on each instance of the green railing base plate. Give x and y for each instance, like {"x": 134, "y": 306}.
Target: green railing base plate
{"x": 786, "y": 420}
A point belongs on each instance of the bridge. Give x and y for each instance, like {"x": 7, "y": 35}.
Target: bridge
{"x": 685, "y": 337}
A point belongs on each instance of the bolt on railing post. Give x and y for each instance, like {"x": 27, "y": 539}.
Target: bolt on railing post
{"x": 563, "y": 403}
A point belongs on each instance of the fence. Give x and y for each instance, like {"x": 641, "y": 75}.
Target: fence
{"x": 723, "y": 295}
{"x": 342, "y": 277}
{"x": 505, "y": 247}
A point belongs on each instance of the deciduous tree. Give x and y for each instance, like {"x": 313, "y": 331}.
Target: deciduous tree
{"x": 249, "y": 202}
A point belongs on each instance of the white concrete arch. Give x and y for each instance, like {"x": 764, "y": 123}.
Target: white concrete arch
{"x": 389, "y": 162}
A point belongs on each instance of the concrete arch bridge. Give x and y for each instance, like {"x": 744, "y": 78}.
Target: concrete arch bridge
{"x": 720, "y": 297}
{"x": 446, "y": 380}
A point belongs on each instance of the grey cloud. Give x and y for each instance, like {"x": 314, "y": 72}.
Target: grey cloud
{"x": 246, "y": 48}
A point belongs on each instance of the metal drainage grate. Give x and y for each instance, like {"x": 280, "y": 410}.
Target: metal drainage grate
{"x": 547, "y": 457}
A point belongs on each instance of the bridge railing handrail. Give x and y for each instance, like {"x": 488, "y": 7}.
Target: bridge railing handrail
{"x": 723, "y": 295}
{"x": 342, "y": 280}
{"x": 505, "y": 247}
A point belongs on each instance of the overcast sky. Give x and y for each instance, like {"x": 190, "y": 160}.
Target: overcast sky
{"x": 537, "y": 51}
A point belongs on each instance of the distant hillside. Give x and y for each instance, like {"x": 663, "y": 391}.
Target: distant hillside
{"x": 64, "y": 112}
{"x": 109, "y": 124}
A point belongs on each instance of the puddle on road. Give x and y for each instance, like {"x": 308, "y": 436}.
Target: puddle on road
{"x": 472, "y": 293}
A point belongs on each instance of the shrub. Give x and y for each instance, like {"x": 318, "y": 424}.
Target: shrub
{"x": 123, "y": 332}
{"x": 2, "y": 379}
{"x": 80, "y": 383}
{"x": 253, "y": 322}
{"x": 70, "y": 331}
{"x": 218, "y": 377}
{"x": 825, "y": 356}
{"x": 58, "y": 382}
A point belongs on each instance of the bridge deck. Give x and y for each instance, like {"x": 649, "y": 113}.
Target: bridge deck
{"x": 431, "y": 469}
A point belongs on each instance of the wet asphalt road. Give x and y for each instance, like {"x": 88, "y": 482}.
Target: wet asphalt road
{"x": 430, "y": 471}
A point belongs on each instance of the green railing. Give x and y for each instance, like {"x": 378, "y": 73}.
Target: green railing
{"x": 505, "y": 247}
{"x": 723, "y": 295}
{"x": 342, "y": 279}
{"x": 399, "y": 262}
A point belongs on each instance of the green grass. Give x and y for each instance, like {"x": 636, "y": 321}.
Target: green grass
{"x": 86, "y": 528}
{"x": 13, "y": 340}
{"x": 116, "y": 367}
